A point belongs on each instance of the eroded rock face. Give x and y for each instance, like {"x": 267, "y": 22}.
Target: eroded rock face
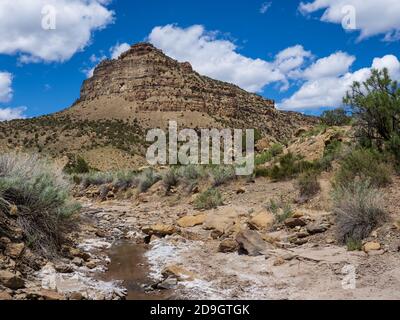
{"x": 149, "y": 81}
{"x": 154, "y": 82}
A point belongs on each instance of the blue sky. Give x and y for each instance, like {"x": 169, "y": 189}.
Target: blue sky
{"x": 298, "y": 54}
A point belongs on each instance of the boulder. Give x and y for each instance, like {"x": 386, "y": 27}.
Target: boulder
{"x": 372, "y": 246}
{"x": 228, "y": 245}
{"x": 295, "y": 222}
{"x": 11, "y": 280}
{"x": 263, "y": 220}
{"x": 160, "y": 230}
{"x": 50, "y": 295}
{"x": 315, "y": 228}
{"x": 223, "y": 220}
{"x": 14, "y": 250}
{"x": 191, "y": 221}
{"x": 5, "y": 296}
{"x": 251, "y": 243}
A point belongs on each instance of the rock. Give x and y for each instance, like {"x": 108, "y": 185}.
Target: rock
{"x": 64, "y": 268}
{"x": 279, "y": 261}
{"x": 371, "y": 246}
{"x": 80, "y": 254}
{"x": 302, "y": 235}
{"x": 330, "y": 241}
{"x": 251, "y": 242}
{"x": 160, "y": 230}
{"x": 168, "y": 283}
{"x": 91, "y": 265}
{"x": 295, "y": 222}
{"x": 298, "y": 214}
{"x": 77, "y": 261}
{"x": 50, "y": 295}
{"x": 5, "y": 296}
{"x": 241, "y": 190}
{"x": 376, "y": 252}
{"x": 263, "y": 220}
{"x": 11, "y": 280}
{"x": 100, "y": 234}
{"x": 191, "y": 221}
{"x": 76, "y": 296}
{"x": 228, "y": 245}
{"x": 222, "y": 220}
{"x": 316, "y": 228}
{"x": 14, "y": 250}
{"x": 179, "y": 273}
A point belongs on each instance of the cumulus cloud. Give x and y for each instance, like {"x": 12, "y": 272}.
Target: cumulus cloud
{"x": 119, "y": 49}
{"x": 372, "y": 17}
{"x": 326, "y": 82}
{"x": 26, "y": 27}
{"x": 6, "y": 91}
{"x": 12, "y": 113}
{"x": 218, "y": 58}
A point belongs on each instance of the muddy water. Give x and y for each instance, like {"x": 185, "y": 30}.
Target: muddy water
{"x": 129, "y": 265}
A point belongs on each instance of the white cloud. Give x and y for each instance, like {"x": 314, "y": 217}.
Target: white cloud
{"x": 326, "y": 83}
{"x": 373, "y": 17}
{"x": 214, "y": 57}
{"x": 265, "y": 7}
{"x": 12, "y": 113}
{"x": 336, "y": 64}
{"x": 119, "y": 49}
{"x": 6, "y": 91}
{"x": 21, "y": 28}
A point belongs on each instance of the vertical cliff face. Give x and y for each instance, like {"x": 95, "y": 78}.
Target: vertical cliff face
{"x": 151, "y": 81}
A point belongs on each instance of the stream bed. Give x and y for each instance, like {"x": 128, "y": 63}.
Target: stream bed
{"x": 130, "y": 266}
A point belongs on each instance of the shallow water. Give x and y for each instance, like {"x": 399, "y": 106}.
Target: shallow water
{"x": 129, "y": 265}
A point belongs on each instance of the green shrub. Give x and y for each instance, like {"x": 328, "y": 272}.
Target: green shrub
{"x": 359, "y": 210}
{"x": 147, "y": 179}
{"x": 337, "y": 117}
{"x": 261, "y": 172}
{"x": 222, "y": 174}
{"x": 353, "y": 245}
{"x": 289, "y": 167}
{"x": 77, "y": 166}
{"x": 308, "y": 184}
{"x": 41, "y": 194}
{"x": 276, "y": 149}
{"x": 280, "y": 209}
{"x": 170, "y": 179}
{"x": 364, "y": 164}
{"x": 209, "y": 199}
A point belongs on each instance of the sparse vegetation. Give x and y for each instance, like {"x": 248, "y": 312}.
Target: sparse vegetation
{"x": 209, "y": 199}
{"x": 77, "y": 165}
{"x": 280, "y": 209}
{"x": 359, "y": 209}
{"x": 289, "y": 166}
{"x": 336, "y": 117}
{"x": 364, "y": 164}
{"x": 147, "y": 179}
{"x": 38, "y": 194}
{"x": 222, "y": 174}
{"x": 308, "y": 185}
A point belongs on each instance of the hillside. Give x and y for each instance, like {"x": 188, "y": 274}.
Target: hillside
{"x": 143, "y": 89}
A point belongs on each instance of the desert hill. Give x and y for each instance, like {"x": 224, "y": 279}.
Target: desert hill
{"x": 143, "y": 89}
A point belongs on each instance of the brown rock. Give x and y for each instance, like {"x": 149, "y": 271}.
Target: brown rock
{"x": 251, "y": 243}
{"x": 160, "y": 230}
{"x": 372, "y": 246}
{"x": 50, "y": 295}
{"x": 5, "y": 296}
{"x": 241, "y": 190}
{"x": 263, "y": 220}
{"x": 11, "y": 280}
{"x": 76, "y": 296}
{"x": 294, "y": 222}
{"x": 14, "y": 250}
{"x": 279, "y": 261}
{"x": 179, "y": 273}
{"x": 228, "y": 245}
{"x": 191, "y": 221}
